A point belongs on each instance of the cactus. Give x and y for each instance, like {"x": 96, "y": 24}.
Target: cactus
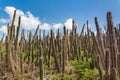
{"x": 49, "y": 52}
{"x": 7, "y": 53}
{"x": 12, "y": 50}
{"x": 54, "y": 52}
{"x": 1, "y": 54}
{"x": 41, "y": 68}
{"x": 29, "y": 47}
{"x": 113, "y": 47}
{"x": 107, "y": 65}
{"x": 99, "y": 68}
{"x": 32, "y": 57}
{"x": 99, "y": 38}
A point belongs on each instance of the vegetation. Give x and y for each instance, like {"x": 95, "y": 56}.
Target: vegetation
{"x": 85, "y": 70}
{"x": 71, "y": 56}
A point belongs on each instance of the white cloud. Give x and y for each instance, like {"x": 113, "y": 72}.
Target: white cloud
{"x": 3, "y": 20}
{"x": 57, "y": 26}
{"x": 68, "y": 23}
{"x": 28, "y": 21}
{"x": 3, "y": 29}
{"x": 10, "y": 10}
{"x": 45, "y": 26}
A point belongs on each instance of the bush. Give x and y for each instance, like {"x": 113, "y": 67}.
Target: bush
{"x": 59, "y": 76}
{"x": 84, "y": 70}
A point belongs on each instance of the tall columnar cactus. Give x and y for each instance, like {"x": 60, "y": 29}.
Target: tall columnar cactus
{"x": 7, "y": 52}
{"x": 119, "y": 45}
{"x": 107, "y": 65}
{"x": 118, "y": 62}
{"x": 73, "y": 27}
{"x": 13, "y": 47}
{"x": 32, "y": 57}
{"x": 99, "y": 68}
{"x": 54, "y": 52}
{"x": 12, "y": 26}
{"x": 49, "y": 44}
{"x": 64, "y": 52}
{"x": 100, "y": 39}
{"x": 1, "y": 54}
{"x": 88, "y": 38}
{"x": 21, "y": 56}
{"x": 29, "y": 46}
{"x": 41, "y": 68}
{"x": 111, "y": 62}
{"x": 100, "y": 42}
{"x": 113, "y": 45}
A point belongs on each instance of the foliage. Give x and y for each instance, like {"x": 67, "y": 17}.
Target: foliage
{"x": 84, "y": 70}
{"x": 59, "y": 76}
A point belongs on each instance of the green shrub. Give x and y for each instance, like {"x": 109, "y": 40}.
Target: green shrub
{"x": 84, "y": 72}
{"x": 59, "y": 76}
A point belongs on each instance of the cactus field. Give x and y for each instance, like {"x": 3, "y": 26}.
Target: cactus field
{"x": 70, "y": 55}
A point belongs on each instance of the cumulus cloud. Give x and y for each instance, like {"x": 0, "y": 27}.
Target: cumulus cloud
{"x": 57, "y": 26}
{"x": 68, "y": 23}
{"x": 3, "y": 20}
{"x": 45, "y": 26}
{"x": 28, "y": 21}
{"x": 3, "y": 29}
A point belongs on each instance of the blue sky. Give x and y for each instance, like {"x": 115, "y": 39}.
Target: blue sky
{"x": 54, "y": 12}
